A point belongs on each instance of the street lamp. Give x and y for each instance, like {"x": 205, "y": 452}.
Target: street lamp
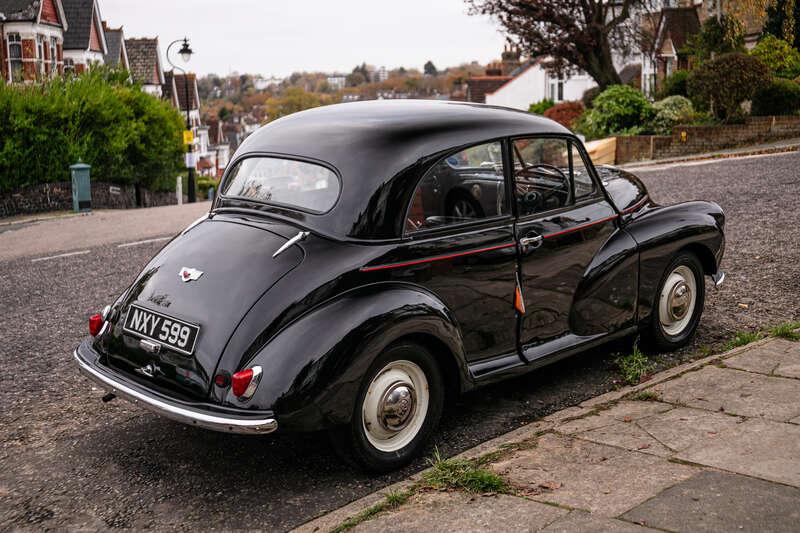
{"x": 186, "y": 54}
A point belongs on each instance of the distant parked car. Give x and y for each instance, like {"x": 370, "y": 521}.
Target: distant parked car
{"x": 365, "y": 262}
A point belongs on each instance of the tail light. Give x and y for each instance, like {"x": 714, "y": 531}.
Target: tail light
{"x": 245, "y": 382}
{"x": 95, "y": 324}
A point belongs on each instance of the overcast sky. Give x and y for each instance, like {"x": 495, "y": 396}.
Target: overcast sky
{"x": 282, "y": 36}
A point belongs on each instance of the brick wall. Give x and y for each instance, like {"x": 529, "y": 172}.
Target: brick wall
{"x": 698, "y": 139}
{"x": 58, "y": 197}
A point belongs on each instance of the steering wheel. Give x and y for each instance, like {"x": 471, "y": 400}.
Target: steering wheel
{"x": 552, "y": 172}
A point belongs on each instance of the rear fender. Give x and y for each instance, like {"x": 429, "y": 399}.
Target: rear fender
{"x": 312, "y": 369}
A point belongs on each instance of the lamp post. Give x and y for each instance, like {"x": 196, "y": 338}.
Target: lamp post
{"x": 186, "y": 54}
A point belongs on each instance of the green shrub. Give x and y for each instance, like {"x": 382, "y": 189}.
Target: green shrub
{"x": 675, "y": 84}
{"x": 726, "y": 81}
{"x": 669, "y": 112}
{"x": 565, "y": 113}
{"x": 778, "y": 56}
{"x": 126, "y": 135}
{"x": 540, "y": 107}
{"x": 619, "y": 110}
{"x": 781, "y": 97}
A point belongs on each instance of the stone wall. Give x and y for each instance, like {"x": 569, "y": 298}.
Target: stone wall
{"x": 58, "y": 197}
{"x": 687, "y": 140}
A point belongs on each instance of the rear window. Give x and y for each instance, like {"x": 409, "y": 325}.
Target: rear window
{"x": 289, "y": 182}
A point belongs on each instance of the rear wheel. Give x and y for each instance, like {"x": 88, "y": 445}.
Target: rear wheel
{"x": 678, "y": 304}
{"x": 397, "y": 409}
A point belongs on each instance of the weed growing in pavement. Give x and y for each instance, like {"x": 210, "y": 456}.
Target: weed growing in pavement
{"x": 391, "y": 501}
{"x": 647, "y": 396}
{"x": 742, "y": 338}
{"x": 786, "y": 331}
{"x": 633, "y": 365}
{"x": 462, "y": 474}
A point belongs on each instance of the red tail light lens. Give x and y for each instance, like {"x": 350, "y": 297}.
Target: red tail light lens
{"x": 95, "y": 324}
{"x": 245, "y": 382}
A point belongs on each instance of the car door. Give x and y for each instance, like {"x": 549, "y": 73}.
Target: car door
{"x": 461, "y": 246}
{"x": 563, "y": 219}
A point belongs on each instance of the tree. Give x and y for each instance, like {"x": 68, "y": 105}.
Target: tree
{"x": 292, "y": 100}
{"x": 783, "y": 21}
{"x": 576, "y": 34}
{"x": 430, "y": 69}
{"x": 725, "y": 82}
{"x": 718, "y": 35}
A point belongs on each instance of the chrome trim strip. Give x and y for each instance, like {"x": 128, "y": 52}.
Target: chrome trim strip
{"x": 288, "y": 244}
{"x": 175, "y": 412}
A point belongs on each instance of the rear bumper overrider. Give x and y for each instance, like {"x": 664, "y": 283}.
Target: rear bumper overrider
{"x": 201, "y": 415}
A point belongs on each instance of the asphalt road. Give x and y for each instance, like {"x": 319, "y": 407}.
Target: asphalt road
{"x": 70, "y": 461}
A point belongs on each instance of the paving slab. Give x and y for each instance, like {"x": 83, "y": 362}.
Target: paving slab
{"x": 778, "y": 358}
{"x": 683, "y": 428}
{"x": 624, "y": 411}
{"x": 718, "y": 501}
{"x": 734, "y": 392}
{"x": 452, "y": 511}
{"x": 585, "y": 475}
{"x": 583, "y": 522}
{"x": 760, "y": 448}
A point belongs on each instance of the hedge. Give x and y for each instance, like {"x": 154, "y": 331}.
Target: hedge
{"x": 126, "y": 135}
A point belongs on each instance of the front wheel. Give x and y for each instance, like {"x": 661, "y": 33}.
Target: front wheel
{"x": 397, "y": 409}
{"x": 678, "y": 304}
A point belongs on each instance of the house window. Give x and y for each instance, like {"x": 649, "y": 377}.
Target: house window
{"x": 40, "y": 55}
{"x": 14, "y": 57}
{"x": 556, "y": 89}
{"x": 670, "y": 67}
{"x": 53, "y": 55}
{"x": 69, "y": 65}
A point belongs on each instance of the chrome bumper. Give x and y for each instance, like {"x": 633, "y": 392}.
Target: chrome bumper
{"x": 174, "y": 411}
{"x": 718, "y": 278}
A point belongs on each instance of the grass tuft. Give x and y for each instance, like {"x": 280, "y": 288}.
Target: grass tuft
{"x": 647, "y": 396}
{"x": 633, "y": 365}
{"x": 786, "y": 331}
{"x": 742, "y": 338}
{"x": 391, "y": 501}
{"x": 462, "y": 474}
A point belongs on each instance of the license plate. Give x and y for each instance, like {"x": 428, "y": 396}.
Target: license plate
{"x": 168, "y": 331}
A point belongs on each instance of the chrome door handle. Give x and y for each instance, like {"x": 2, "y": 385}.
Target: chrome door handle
{"x": 535, "y": 241}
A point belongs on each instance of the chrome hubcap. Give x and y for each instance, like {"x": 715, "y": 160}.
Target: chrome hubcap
{"x": 677, "y": 300}
{"x": 396, "y": 406}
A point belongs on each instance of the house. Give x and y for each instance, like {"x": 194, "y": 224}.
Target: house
{"x": 84, "y": 39}
{"x": 168, "y": 90}
{"x": 31, "y": 39}
{"x": 188, "y": 96}
{"x": 144, "y": 57}
{"x": 675, "y": 27}
{"x": 117, "y": 54}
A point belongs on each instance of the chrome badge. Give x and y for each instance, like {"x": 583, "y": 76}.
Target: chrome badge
{"x": 190, "y": 274}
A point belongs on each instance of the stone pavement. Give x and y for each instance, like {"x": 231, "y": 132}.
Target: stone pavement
{"x": 42, "y": 235}
{"x": 713, "y": 445}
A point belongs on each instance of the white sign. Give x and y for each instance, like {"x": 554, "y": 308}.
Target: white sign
{"x": 191, "y": 160}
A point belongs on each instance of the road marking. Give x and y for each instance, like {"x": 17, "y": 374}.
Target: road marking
{"x": 82, "y": 252}
{"x": 146, "y": 241}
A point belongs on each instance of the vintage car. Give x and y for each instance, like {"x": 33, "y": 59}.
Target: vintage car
{"x": 363, "y": 263}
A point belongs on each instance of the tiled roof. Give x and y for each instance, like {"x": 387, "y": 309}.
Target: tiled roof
{"x": 20, "y": 9}
{"x": 80, "y": 17}
{"x": 168, "y": 88}
{"x": 114, "y": 40}
{"x": 478, "y": 86}
{"x": 180, "y": 87}
{"x": 143, "y": 56}
{"x": 215, "y": 132}
{"x": 677, "y": 24}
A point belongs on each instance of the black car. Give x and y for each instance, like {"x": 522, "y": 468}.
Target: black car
{"x": 365, "y": 262}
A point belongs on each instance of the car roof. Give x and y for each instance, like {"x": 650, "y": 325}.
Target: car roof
{"x": 374, "y": 144}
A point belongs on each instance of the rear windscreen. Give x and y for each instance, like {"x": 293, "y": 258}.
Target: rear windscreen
{"x": 288, "y": 182}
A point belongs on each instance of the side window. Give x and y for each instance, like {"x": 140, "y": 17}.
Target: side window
{"x": 541, "y": 175}
{"x": 461, "y": 187}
